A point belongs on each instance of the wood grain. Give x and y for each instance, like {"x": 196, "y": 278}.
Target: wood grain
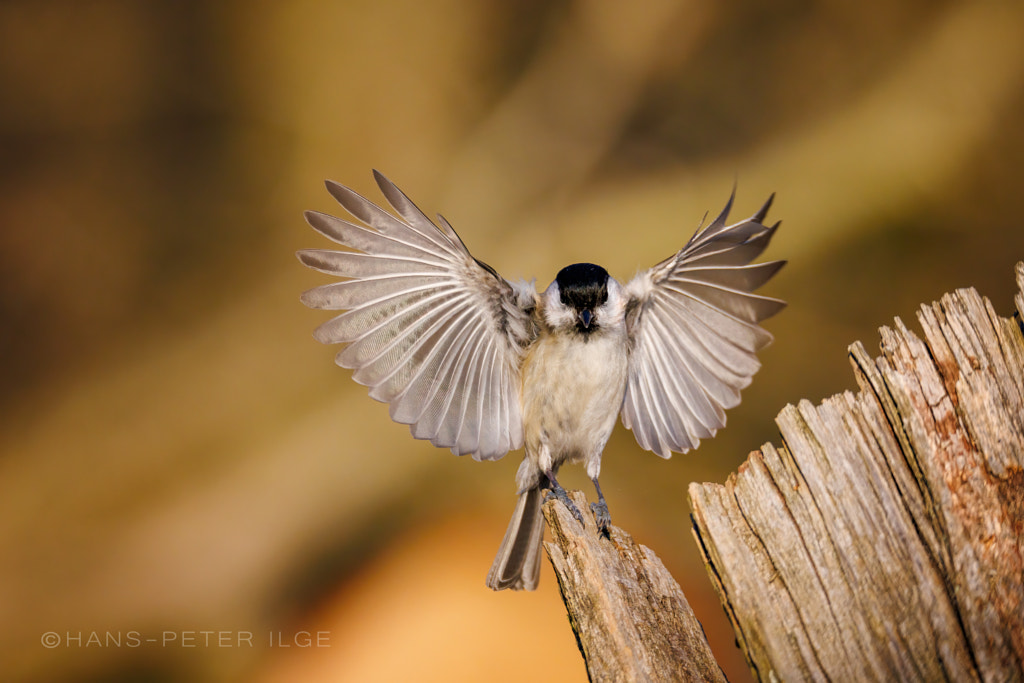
{"x": 632, "y": 621}
{"x": 884, "y": 540}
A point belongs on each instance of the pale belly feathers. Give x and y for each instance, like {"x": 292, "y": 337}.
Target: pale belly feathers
{"x": 572, "y": 395}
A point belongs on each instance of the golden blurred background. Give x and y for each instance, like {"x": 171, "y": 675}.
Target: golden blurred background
{"x": 179, "y": 457}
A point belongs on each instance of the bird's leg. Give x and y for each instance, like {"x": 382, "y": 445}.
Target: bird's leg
{"x": 600, "y": 510}
{"x": 555, "y": 490}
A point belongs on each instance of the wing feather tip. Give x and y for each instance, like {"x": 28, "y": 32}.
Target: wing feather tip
{"x": 312, "y": 258}
{"x": 323, "y": 337}
{"x": 337, "y": 190}
{"x": 723, "y": 216}
{"x": 315, "y": 220}
{"x": 763, "y": 211}
{"x": 313, "y": 298}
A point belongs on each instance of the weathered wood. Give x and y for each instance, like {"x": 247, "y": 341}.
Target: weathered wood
{"x": 631, "y": 619}
{"x": 884, "y": 540}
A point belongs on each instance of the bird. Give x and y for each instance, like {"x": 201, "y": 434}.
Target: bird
{"x": 483, "y": 366}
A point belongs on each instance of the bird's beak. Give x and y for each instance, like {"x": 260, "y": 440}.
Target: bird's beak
{"x": 585, "y": 317}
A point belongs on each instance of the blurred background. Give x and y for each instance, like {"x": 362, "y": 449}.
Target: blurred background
{"x": 179, "y": 456}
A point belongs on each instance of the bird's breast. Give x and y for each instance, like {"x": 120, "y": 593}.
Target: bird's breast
{"x": 572, "y": 392}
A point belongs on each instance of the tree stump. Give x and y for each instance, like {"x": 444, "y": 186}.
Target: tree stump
{"x": 631, "y": 619}
{"x": 884, "y": 540}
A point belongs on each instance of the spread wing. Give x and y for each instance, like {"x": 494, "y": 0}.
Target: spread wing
{"x": 693, "y": 325}
{"x": 432, "y": 331}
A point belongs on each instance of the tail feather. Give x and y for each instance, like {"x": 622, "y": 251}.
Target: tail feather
{"x": 517, "y": 565}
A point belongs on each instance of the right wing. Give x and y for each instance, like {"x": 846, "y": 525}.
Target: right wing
{"x": 432, "y": 331}
{"x": 693, "y": 326}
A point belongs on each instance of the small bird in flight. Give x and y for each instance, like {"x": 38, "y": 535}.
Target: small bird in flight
{"x": 483, "y": 366}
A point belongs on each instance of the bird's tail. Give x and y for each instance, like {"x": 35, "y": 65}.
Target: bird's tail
{"x": 517, "y": 565}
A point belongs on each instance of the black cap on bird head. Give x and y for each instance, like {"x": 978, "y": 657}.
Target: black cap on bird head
{"x": 583, "y": 287}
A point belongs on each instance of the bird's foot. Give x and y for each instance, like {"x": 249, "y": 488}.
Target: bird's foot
{"x": 560, "y": 494}
{"x": 600, "y": 510}
{"x": 602, "y": 517}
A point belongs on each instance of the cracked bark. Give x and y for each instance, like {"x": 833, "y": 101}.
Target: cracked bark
{"x": 884, "y": 540}
{"x": 631, "y": 619}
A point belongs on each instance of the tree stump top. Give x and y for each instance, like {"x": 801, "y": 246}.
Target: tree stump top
{"x": 884, "y": 540}
{"x": 632, "y": 621}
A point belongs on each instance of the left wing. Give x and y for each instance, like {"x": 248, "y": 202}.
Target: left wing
{"x": 431, "y": 330}
{"x": 693, "y": 326}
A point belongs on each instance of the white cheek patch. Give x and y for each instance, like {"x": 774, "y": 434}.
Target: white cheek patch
{"x": 556, "y": 314}
{"x": 615, "y": 307}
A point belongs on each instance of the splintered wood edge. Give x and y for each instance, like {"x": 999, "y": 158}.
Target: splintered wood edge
{"x": 731, "y": 527}
{"x": 630, "y": 617}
